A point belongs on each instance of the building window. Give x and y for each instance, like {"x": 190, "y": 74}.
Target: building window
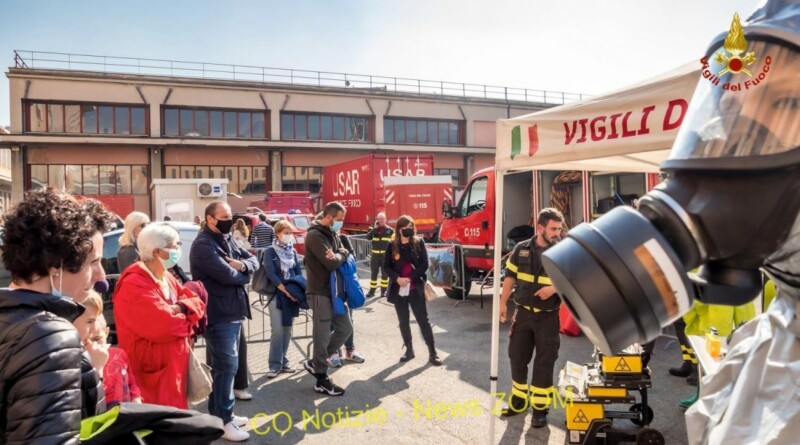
{"x": 245, "y": 180}
{"x": 206, "y": 123}
{"x": 398, "y": 130}
{"x": 90, "y": 179}
{"x": 454, "y": 173}
{"x": 85, "y": 118}
{"x": 302, "y": 179}
{"x": 327, "y": 127}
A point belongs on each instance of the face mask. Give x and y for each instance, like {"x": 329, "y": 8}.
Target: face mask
{"x": 224, "y": 226}
{"x": 286, "y": 239}
{"x": 408, "y": 232}
{"x": 174, "y": 257}
{"x": 337, "y": 225}
{"x": 57, "y": 292}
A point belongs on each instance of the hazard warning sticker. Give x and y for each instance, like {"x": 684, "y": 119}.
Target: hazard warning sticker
{"x": 580, "y": 417}
{"x": 622, "y": 366}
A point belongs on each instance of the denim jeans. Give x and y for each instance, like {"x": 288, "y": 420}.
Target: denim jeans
{"x": 222, "y": 345}
{"x": 279, "y": 338}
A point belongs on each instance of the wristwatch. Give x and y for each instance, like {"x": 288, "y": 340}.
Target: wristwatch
{"x": 243, "y": 268}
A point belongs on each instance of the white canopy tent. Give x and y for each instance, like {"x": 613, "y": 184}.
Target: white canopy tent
{"x": 628, "y": 130}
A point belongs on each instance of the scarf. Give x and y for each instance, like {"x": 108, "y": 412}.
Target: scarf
{"x": 286, "y": 255}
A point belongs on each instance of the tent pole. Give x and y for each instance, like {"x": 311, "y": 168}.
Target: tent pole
{"x": 498, "y": 280}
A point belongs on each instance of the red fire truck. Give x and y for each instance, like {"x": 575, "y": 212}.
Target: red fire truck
{"x": 359, "y": 185}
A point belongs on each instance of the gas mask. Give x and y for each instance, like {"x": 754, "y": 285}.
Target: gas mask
{"x": 731, "y": 198}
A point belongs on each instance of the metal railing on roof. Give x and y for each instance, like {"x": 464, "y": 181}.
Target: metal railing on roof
{"x": 219, "y": 71}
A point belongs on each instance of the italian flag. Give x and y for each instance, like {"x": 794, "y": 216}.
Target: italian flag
{"x": 528, "y": 145}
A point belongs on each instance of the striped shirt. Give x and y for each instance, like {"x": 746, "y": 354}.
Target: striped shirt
{"x": 262, "y": 236}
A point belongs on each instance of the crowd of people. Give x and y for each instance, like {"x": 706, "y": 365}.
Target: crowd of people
{"x": 53, "y": 248}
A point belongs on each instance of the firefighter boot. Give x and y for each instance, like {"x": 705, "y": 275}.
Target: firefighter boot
{"x": 682, "y": 371}
{"x": 371, "y": 293}
{"x": 539, "y": 419}
{"x": 692, "y": 379}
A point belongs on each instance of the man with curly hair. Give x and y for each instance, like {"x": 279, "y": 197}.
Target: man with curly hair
{"x": 52, "y": 246}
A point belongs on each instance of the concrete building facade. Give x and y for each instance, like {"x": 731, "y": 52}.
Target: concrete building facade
{"x": 109, "y": 134}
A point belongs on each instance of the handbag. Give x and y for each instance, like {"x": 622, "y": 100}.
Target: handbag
{"x": 430, "y": 291}
{"x": 261, "y": 283}
{"x": 198, "y": 379}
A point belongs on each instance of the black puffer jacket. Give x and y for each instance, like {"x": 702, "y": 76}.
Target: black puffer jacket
{"x": 47, "y": 383}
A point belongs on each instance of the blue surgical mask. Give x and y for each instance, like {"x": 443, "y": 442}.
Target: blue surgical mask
{"x": 57, "y": 292}
{"x": 174, "y": 257}
{"x": 337, "y": 225}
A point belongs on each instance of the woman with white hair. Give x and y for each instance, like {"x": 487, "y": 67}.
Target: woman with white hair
{"x": 128, "y": 253}
{"x": 155, "y": 315}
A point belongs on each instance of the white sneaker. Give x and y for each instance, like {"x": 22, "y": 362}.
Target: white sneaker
{"x": 234, "y": 434}
{"x": 242, "y": 394}
{"x": 240, "y": 421}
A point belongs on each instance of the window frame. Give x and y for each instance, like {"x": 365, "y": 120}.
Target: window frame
{"x": 441, "y": 125}
{"x": 27, "y": 105}
{"x": 118, "y": 187}
{"x": 223, "y": 129}
{"x": 369, "y": 136}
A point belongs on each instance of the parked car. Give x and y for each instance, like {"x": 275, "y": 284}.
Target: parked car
{"x": 187, "y": 232}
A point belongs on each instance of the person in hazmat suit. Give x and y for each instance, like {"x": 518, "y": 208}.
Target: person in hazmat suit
{"x": 731, "y": 207}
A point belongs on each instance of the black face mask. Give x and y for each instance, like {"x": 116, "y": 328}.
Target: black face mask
{"x": 407, "y": 232}
{"x": 224, "y": 225}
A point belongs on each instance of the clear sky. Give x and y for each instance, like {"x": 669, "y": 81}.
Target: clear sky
{"x": 585, "y": 46}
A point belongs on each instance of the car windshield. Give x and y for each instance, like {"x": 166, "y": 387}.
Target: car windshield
{"x": 301, "y": 222}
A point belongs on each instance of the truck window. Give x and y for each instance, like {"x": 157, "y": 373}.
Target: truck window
{"x": 474, "y": 198}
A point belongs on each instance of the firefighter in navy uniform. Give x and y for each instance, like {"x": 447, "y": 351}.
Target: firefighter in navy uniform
{"x": 535, "y": 324}
{"x": 379, "y": 237}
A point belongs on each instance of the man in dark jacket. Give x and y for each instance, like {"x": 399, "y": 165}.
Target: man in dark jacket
{"x": 224, "y": 269}
{"x": 324, "y": 254}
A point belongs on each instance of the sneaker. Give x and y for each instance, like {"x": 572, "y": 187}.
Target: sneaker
{"x": 309, "y": 367}
{"x": 354, "y": 356}
{"x": 326, "y": 386}
{"x": 288, "y": 370}
{"x": 242, "y": 394}
{"x": 334, "y": 361}
{"x": 272, "y": 374}
{"x": 239, "y": 421}
{"x": 233, "y": 433}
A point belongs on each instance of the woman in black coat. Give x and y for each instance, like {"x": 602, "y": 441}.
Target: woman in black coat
{"x": 406, "y": 263}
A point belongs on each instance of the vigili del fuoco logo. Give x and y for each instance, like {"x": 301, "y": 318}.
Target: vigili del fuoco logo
{"x": 734, "y": 59}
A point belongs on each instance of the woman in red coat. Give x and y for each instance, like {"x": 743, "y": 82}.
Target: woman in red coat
{"x": 155, "y": 315}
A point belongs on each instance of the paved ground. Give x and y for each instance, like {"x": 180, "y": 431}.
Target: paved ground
{"x": 415, "y": 403}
